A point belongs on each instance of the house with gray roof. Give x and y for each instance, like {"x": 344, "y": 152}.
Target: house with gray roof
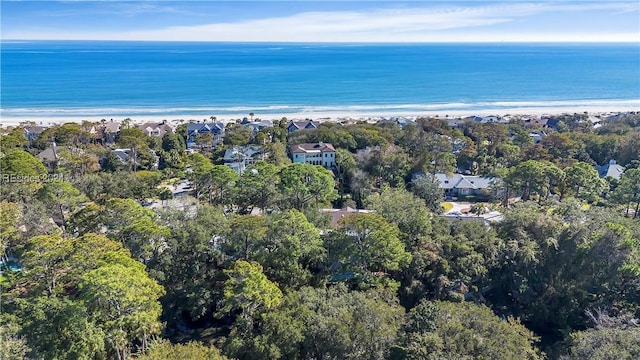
{"x": 537, "y": 136}
{"x": 612, "y": 169}
{"x": 108, "y": 131}
{"x": 459, "y": 185}
{"x": 130, "y": 157}
{"x": 298, "y": 125}
{"x": 240, "y": 157}
{"x": 49, "y": 156}
{"x": 258, "y": 125}
{"x": 32, "y": 132}
{"x": 157, "y": 129}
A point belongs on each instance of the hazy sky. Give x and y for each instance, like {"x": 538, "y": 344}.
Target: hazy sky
{"x": 325, "y": 21}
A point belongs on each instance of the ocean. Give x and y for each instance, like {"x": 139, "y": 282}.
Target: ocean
{"x": 128, "y": 79}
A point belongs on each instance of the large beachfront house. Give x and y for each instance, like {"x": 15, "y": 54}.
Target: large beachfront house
{"x": 216, "y": 129}
{"x": 298, "y": 125}
{"x": 156, "y": 129}
{"x": 458, "y": 185}
{"x": 258, "y": 125}
{"x": 315, "y": 154}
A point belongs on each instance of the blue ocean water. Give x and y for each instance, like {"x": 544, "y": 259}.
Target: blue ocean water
{"x": 54, "y": 78}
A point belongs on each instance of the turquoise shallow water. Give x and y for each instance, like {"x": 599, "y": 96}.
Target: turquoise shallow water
{"x": 51, "y": 78}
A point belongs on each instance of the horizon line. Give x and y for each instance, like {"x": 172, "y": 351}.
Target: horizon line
{"x": 331, "y": 42}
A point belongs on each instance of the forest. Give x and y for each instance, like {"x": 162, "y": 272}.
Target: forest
{"x": 101, "y": 259}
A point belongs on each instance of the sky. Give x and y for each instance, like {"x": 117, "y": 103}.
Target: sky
{"x": 323, "y": 21}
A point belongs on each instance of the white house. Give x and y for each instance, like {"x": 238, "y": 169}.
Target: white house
{"x": 239, "y": 157}
{"x": 315, "y": 154}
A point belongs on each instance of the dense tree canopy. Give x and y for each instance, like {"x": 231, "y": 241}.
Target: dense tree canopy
{"x": 105, "y": 259}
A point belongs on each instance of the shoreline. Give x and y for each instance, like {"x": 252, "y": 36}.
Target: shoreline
{"x": 328, "y": 115}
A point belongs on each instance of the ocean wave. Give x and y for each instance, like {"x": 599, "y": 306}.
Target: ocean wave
{"x": 310, "y": 109}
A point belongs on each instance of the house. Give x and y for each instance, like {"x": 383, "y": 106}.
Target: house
{"x": 404, "y": 122}
{"x": 612, "y": 169}
{"x": 297, "y": 125}
{"x": 49, "y": 157}
{"x": 491, "y": 119}
{"x": 91, "y": 129}
{"x": 537, "y": 136}
{"x": 127, "y": 157}
{"x": 108, "y": 131}
{"x": 552, "y": 123}
{"x": 456, "y": 123}
{"x": 124, "y": 155}
{"x": 337, "y": 214}
{"x": 216, "y": 129}
{"x": 156, "y": 129}
{"x": 315, "y": 154}
{"x": 258, "y": 125}
{"x": 32, "y": 132}
{"x": 536, "y": 122}
{"x": 240, "y": 157}
{"x": 474, "y": 118}
{"x": 457, "y": 144}
{"x": 459, "y": 185}
{"x": 400, "y": 121}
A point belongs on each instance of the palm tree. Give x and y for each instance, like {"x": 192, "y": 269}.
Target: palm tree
{"x": 251, "y": 115}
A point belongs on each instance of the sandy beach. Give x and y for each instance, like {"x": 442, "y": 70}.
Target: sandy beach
{"x": 327, "y": 115}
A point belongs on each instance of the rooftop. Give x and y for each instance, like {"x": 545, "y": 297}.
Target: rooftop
{"x": 312, "y": 147}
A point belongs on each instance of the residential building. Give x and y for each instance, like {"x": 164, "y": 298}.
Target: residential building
{"x": 125, "y": 155}
{"x": 156, "y": 129}
{"x": 297, "y": 125}
{"x": 400, "y": 121}
{"x": 258, "y": 125}
{"x": 216, "y": 129}
{"x": 459, "y": 185}
{"x": 537, "y": 136}
{"x": 108, "y": 131}
{"x": 315, "y": 154}
{"x": 612, "y": 169}
{"x": 337, "y": 214}
{"x": 129, "y": 157}
{"x": 32, "y": 132}
{"x": 240, "y": 157}
{"x": 49, "y": 157}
